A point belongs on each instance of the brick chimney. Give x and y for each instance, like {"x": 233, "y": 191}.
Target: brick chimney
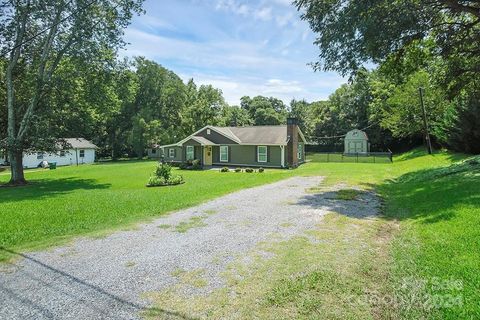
{"x": 292, "y": 145}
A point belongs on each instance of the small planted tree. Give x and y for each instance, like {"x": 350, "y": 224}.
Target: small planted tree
{"x": 163, "y": 176}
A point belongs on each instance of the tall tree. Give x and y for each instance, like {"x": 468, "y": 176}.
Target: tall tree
{"x": 265, "y": 111}
{"x": 352, "y": 32}
{"x": 35, "y": 36}
{"x": 159, "y": 104}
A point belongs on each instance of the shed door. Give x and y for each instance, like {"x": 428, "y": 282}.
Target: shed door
{"x": 358, "y": 146}
{"x": 355, "y": 147}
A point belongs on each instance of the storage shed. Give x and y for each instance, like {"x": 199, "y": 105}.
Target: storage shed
{"x": 356, "y": 141}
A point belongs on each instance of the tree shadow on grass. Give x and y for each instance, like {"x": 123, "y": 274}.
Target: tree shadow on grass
{"x": 429, "y": 195}
{"x": 40, "y": 189}
{"x": 433, "y": 195}
{"x": 76, "y": 291}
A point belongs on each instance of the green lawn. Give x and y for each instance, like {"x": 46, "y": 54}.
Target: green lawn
{"x": 73, "y": 201}
{"x": 425, "y": 246}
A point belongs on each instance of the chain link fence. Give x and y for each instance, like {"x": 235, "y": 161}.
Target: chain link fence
{"x": 370, "y": 157}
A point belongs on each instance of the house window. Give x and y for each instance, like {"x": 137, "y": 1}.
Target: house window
{"x": 82, "y": 153}
{"x": 262, "y": 154}
{"x": 171, "y": 153}
{"x": 39, "y": 155}
{"x": 154, "y": 151}
{"x": 300, "y": 151}
{"x": 224, "y": 153}
{"x": 62, "y": 153}
{"x": 190, "y": 153}
{"x": 208, "y": 131}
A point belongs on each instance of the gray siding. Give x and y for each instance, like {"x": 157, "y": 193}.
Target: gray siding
{"x": 247, "y": 156}
{"x": 154, "y": 153}
{"x": 177, "y": 156}
{"x": 191, "y": 142}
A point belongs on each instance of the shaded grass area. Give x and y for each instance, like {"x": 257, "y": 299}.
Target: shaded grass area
{"x": 438, "y": 248}
{"x": 347, "y": 194}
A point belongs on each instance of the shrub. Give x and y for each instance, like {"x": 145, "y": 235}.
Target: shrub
{"x": 196, "y": 165}
{"x": 174, "y": 164}
{"x": 162, "y": 176}
{"x": 249, "y": 170}
{"x": 176, "y": 179}
{"x": 163, "y": 171}
{"x": 261, "y": 170}
{"x": 224, "y": 169}
{"x": 238, "y": 170}
{"x": 183, "y": 166}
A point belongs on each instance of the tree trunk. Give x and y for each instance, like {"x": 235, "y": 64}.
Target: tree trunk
{"x": 16, "y": 166}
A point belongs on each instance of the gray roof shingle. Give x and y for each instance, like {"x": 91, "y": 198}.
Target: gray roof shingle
{"x": 257, "y": 134}
{"x": 80, "y": 143}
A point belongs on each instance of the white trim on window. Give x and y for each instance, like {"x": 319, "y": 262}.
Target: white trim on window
{"x": 300, "y": 151}
{"x": 171, "y": 153}
{"x": 82, "y": 153}
{"x": 224, "y": 153}
{"x": 190, "y": 154}
{"x": 262, "y": 156}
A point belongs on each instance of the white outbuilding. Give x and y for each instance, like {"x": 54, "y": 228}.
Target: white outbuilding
{"x": 81, "y": 151}
{"x": 356, "y": 141}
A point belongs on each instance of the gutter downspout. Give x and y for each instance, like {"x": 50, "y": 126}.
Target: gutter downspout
{"x": 282, "y": 155}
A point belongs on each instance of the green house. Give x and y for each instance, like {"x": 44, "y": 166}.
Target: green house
{"x": 281, "y": 146}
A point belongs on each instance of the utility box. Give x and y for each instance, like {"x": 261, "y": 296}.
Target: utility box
{"x": 356, "y": 141}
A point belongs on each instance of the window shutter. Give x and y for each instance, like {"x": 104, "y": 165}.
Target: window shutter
{"x": 268, "y": 153}
{"x": 256, "y": 154}
{"x": 229, "y": 154}
{"x": 174, "y": 152}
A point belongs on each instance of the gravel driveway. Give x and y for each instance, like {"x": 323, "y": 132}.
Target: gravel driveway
{"x": 107, "y": 278}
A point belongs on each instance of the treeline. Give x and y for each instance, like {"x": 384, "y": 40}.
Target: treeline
{"x": 127, "y": 106}
{"x": 429, "y": 44}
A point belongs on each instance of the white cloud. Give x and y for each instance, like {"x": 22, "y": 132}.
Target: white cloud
{"x": 233, "y": 6}
{"x": 153, "y": 23}
{"x": 283, "y": 20}
{"x": 264, "y": 14}
{"x": 259, "y": 48}
{"x": 282, "y": 2}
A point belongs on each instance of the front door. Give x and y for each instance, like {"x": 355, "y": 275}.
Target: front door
{"x": 207, "y": 155}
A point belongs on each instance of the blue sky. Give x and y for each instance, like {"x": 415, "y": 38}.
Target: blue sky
{"x": 242, "y": 47}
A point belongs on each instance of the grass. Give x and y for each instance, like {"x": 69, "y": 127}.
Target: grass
{"x": 424, "y": 247}
{"x": 439, "y": 211}
{"x": 347, "y": 194}
{"x": 302, "y": 280}
{"x": 420, "y": 260}
{"x": 193, "y": 222}
{"x": 97, "y": 199}
{"x": 190, "y": 278}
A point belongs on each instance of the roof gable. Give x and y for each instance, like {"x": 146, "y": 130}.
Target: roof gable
{"x": 80, "y": 143}
{"x": 251, "y": 135}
